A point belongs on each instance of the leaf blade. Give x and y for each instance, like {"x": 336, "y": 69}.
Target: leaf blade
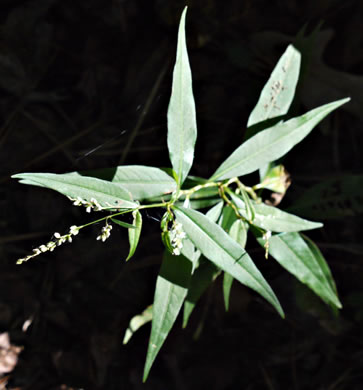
{"x": 73, "y": 185}
{"x": 278, "y": 93}
{"x": 134, "y": 233}
{"x": 182, "y": 127}
{"x": 216, "y": 245}
{"x": 141, "y": 181}
{"x": 293, "y": 254}
{"x": 171, "y": 289}
{"x": 273, "y": 219}
{"x": 272, "y": 143}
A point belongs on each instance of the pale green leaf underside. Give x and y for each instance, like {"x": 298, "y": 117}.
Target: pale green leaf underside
{"x": 137, "y": 322}
{"x": 274, "y": 219}
{"x": 171, "y": 289}
{"x": 142, "y": 181}
{"x": 293, "y": 254}
{"x": 72, "y": 185}
{"x": 271, "y": 144}
{"x": 278, "y": 92}
{"x": 182, "y": 126}
{"x": 217, "y": 246}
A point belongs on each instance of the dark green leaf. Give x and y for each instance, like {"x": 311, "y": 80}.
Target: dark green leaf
{"x": 171, "y": 289}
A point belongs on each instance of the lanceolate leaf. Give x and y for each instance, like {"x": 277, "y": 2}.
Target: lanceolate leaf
{"x": 72, "y": 185}
{"x": 216, "y": 245}
{"x": 292, "y": 252}
{"x": 182, "y": 127}
{"x": 134, "y": 233}
{"x": 171, "y": 289}
{"x": 205, "y": 272}
{"x": 123, "y": 224}
{"x": 278, "y": 93}
{"x": 321, "y": 261}
{"x": 274, "y": 219}
{"x": 142, "y": 181}
{"x": 272, "y": 143}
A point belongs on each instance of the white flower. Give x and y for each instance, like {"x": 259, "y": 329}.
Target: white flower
{"x": 176, "y": 235}
{"x": 105, "y": 233}
{"x": 74, "y": 230}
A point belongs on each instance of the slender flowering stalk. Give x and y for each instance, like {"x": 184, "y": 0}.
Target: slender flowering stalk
{"x": 51, "y": 245}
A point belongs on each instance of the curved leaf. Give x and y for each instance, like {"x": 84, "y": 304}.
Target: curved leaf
{"x": 272, "y": 143}
{"x": 278, "y": 92}
{"x": 293, "y": 254}
{"x": 134, "y": 233}
{"x": 137, "y": 322}
{"x": 274, "y": 219}
{"x": 142, "y": 181}
{"x": 182, "y": 126}
{"x": 216, "y": 245}
{"x": 73, "y": 185}
{"x": 171, "y": 289}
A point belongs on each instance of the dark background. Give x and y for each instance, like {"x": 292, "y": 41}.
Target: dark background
{"x": 85, "y": 84}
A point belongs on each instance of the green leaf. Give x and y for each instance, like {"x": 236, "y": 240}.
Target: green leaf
{"x": 72, "y": 185}
{"x": 216, "y": 245}
{"x": 203, "y": 276}
{"x": 333, "y": 198}
{"x": 321, "y": 261}
{"x": 171, "y": 289}
{"x": 272, "y": 143}
{"x": 123, "y": 224}
{"x": 134, "y": 233}
{"x": 249, "y": 207}
{"x": 137, "y": 322}
{"x": 141, "y": 181}
{"x": 238, "y": 232}
{"x": 278, "y": 93}
{"x": 274, "y": 219}
{"x": 227, "y": 218}
{"x": 182, "y": 126}
{"x": 293, "y": 254}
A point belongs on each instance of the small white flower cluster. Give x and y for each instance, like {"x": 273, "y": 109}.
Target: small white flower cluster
{"x": 266, "y": 237}
{"x": 93, "y": 204}
{"x": 51, "y": 245}
{"x": 106, "y": 232}
{"x": 176, "y": 235}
